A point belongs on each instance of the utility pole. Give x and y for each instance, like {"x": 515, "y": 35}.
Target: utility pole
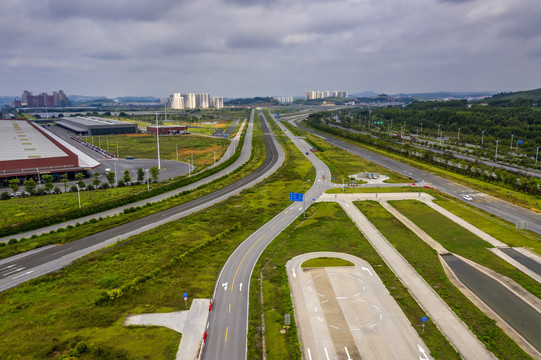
{"x": 421, "y": 127}
{"x": 496, "y": 156}
{"x": 458, "y": 137}
{"x": 176, "y": 147}
{"x": 214, "y": 152}
{"x": 117, "y": 150}
{"x": 192, "y": 157}
{"x": 158, "y": 140}
{"x": 482, "y": 136}
{"x": 511, "y": 147}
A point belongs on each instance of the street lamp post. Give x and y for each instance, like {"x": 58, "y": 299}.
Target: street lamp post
{"x": 148, "y": 181}
{"x": 482, "y": 136}
{"x": 117, "y": 150}
{"x": 39, "y": 179}
{"x": 511, "y": 147}
{"x": 536, "y": 153}
{"x": 458, "y": 137}
{"x": 214, "y": 152}
{"x": 158, "y": 140}
{"x": 176, "y": 148}
{"x": 78, "y": 194}
{"x": 421, "y": 127}
{"x": 496, "y": 156}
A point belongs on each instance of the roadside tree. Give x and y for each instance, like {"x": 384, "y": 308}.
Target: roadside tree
{"x": 65, "y": 181}
{"x": 126, "y": 178}
{"x": 140, "y": 175}
{"x": 14, "y": 185}
{"x": 30, "y": 186}
{"x": 110, "y": 177}
{"x": 48, "y": 179}
{"x": 154, "y": 173}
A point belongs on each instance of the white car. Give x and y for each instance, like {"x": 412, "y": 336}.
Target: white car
{"x": 467, "y": 197}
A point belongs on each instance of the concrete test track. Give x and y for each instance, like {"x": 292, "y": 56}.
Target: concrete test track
{"x": 347, "y": 313}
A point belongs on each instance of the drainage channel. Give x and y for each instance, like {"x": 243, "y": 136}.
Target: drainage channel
{"x": 523, "y": 318}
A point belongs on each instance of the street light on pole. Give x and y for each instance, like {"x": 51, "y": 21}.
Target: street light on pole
{"x": 511, "y": 147}
{"x": 158, "y": 140}
{"x": 176, "y": 149}
{"x": 496, "y": 156}
{"x": 148, "y": 181}
{"x": 421, "y": 127}
{"x": 482, "y": 136}
{"x": 536, "y": 153}
{"x": 78, "y": 194}
{"x": 458, "y": 137}
{"x": 39, "y": 179}
{"x": 214, "y": 152}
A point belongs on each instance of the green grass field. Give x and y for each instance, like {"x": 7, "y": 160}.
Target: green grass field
{"x": 427, "y": 263}
{"x": 460, "y": 241}
{"x": 54, "y": 312}
{"x": 325, "y": 223}
{"x": 343, "y": 163}
{"x": 325, "y": 262}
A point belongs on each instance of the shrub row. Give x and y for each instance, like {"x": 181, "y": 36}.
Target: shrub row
{"x": 92, "y": 209}
{"x": 110, "y": 295}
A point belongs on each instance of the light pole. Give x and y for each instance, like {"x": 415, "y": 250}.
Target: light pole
{"x": 176, "y": 148}
{"x": 117, "y": 150}
{"x": 191, "y": 153}
{"x": 458, "y": 137}
{"x": 438, "y": 130}
{"x": 421, "y": 127}
{"x": 511, "y": 147}
{"x": 482, "y": 136}
{"x": 536, "y": 153}
{"x": 99, "y": 142}
{"x": 158, "y": 140}
{"x": 148, "y": 181}
{"x": 116, "y": 183}
{"x": 107, "y": 144}
{"x": 39, "y": 179}
{"x": 496, "y": 156}
{"x": 78, "y": 194}
{"x": 214, "y": 152}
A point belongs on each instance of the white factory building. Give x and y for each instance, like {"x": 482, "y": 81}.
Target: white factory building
{"x": 312, "y": 94}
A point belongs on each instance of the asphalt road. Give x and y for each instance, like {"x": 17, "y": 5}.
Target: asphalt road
{"x": 500, "y": 208}
{"x": 228, "y": 322}
{"x": 32, "y": 265}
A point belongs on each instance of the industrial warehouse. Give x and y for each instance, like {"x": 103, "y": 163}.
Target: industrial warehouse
{"x": 28, "y": 150}
{"x": 88, "y": 126}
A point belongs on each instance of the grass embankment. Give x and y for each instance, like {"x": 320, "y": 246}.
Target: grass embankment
{"x": 324, "y": 225}
{"x": 496, "y": 227}
{"x": 325, "y": 262}
{"x": 354, "y": 190}
{"x": 56, "y": 311}
{"x": 516, "y": 197}
{"x": 426, "y": 262}
{"x": 342, "y": 163}
{"x": 460, "y": 241}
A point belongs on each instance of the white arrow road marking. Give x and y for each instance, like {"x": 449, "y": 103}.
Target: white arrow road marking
{"x": 294, "y": 275}
{"x": 424, "y": 357}
{"x": 309, "y": 354}
{"x": 366, "y": 269}
{"x": 347, "y": 352}
{"x": 224, "y": 285}
{"x": 240, "y": 287}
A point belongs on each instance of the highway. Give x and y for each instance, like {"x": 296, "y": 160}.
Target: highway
{"x": 228, "y": 322}
{"x": 500, "y": 208}
{"x": 23, "y": 267}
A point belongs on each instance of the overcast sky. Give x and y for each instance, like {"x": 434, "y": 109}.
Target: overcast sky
{"x": 238, "y": 48}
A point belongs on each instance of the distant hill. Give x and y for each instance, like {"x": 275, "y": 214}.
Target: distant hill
{"x": 533, "y": 95}
{"x": 255, "y": 101}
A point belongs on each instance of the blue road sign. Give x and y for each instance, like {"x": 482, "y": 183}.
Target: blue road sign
{"x": 185, "y": 295}
{"x": 295, "y": 196}
{"x": 424, "y": 319}
{"x": 520, "y": 142}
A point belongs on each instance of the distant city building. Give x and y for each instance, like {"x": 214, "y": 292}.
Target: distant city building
{"x": 58, "y": 99}
{"x": 284, "y": 99}
{"x": 180, "y": 101}
{"x": 310, "y": 95}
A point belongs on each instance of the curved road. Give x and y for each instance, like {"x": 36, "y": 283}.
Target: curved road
{"x": 227, "y": 328}
{"x": 24, "y": 267}
{"x": 500, "y": 208}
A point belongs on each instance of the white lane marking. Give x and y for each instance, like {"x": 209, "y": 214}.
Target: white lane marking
{"x": 424, "y": 357}
{"x": 315, "y": 310}
{"x": 294, "y": 275}
{"x": 26, "y": 273}
{"x": 224, "y": 285}
{"x": 366, "y": 269}
{"x": 319, "y": 319}
{"x": 324, "y": 301}
{"x": 318, "y": 275}
{"x": 300, "y": 208}
{"x": 309, "y": 288}
{"x": 208, "y": 325}
{"x": 8, "y": 267}
{"x": 321, "y": 295}
{"x": 334, "y": 327}
{"x": 371, "y": 326}
{"x": 357, "y": 294}
{"x": 355, "y": 329}
{"x": 14, "y": 271}
{"x": 326, "y": 353}
{"x": 375, "y": 307}
{"x": 347, "y": 204}
{"x": 380, "y": 317}
{"x": 240, "y": 287}
{"x": 347, "y": 352}
{"x": 341, "y": 297}
{"x": 309, "y": 354}
{"x": 364, "y": 287}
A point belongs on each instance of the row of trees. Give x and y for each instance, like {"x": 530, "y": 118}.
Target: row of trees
{"x": 30, "y": 185}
